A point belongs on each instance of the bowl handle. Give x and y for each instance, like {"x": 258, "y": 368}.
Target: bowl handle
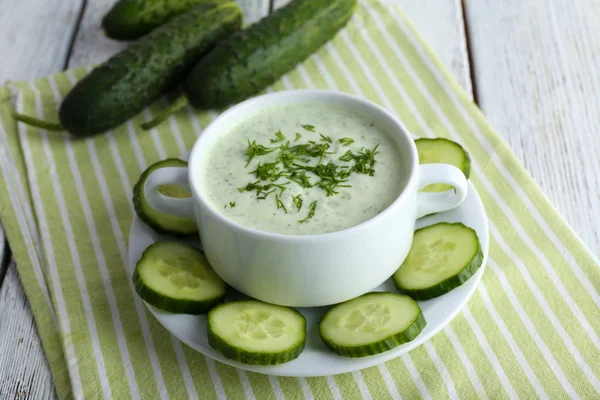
{"x": 434, "y": 202}
{"x": 181, "y": 207}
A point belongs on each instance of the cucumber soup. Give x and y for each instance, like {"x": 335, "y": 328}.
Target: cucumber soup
{"x": 302, "y": 169}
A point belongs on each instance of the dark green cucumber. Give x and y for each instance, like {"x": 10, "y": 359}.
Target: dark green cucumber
{"x": 371, "y": 324}
{"x": 443, "y": 151}
{"x": 161, "y": 222}
{"x": 177, "y": 278}
{"x": 252, "y": 59}
{"x": 122, "y": 86}
{"x": 442, "y": 257}
{"x": 256, "y": 333}
{"x": 132, "y": 19}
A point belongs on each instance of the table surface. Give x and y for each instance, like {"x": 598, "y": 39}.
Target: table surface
{"x": 532, "y": 67}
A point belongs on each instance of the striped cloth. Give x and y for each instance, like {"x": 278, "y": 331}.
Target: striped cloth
{"x": 530, "y": 330}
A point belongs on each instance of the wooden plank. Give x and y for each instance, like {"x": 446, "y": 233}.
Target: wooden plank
{"x": 537, "y": 74}
{"x": 35, "y": 36}
{"x": 24, "y": 371}
{"x": 92, "y": 46}
{"x": 440, "y": 22}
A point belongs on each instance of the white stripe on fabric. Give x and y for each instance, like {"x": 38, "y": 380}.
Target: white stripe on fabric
{"x": 321, "y": 67}
{"x": 416, "y": 377}
{"x": 466, "y": 362}
{"x": 389, "y": 381}
{"x": 305, "y": 76}
{"x": 246, "y": 384}
{"x": 51, "y": 258}
{"x": 187, "y": 376}
{"x": 99, "y": 254}
{"x": 155, "y": 137}
{"x": 276, "y": 388}
{"x": 176, "y": 132}
{"x": 497, "y": 162}
{"x": 441, "y": 367}
{"x": 333, "y": 387}
{"x": 486, "y": 183}
{"x": 215, "y": 378}
{"x": 514, "y": 347}
{"x": 25, "y": 219}
{"x": 362, "y": 386}
{"x": 305, "y": 389}
{"x": 489, "y": 353}
{"x": 341, "y": 65}
{"x": 531, "y": 328}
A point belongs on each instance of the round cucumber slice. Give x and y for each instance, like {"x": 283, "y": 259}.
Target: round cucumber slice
{"x": 257, "y": 333}
{"x": 161, "y": 222}
{"x": 443, "y": 151}
{"x": 177, "y": 278}
{"x": 371, "y": 324}
{"x": 442, "y": 257}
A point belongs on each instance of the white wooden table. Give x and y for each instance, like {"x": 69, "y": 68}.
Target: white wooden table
{"x": 532, "y": 66}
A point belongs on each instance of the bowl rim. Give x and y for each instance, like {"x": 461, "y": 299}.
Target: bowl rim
{"x": 260, "y": 102}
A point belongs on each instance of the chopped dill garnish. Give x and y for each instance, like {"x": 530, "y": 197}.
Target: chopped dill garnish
{"x": 325, "y": 138}
{"x": 232, "y": 204}
{"x": 311, "y": 212}
{"x": 257, "y": 150}
{"x": 302, "y": 162}
{"x": 297, "y": 200}
{"x": 280, "y": 203}
{"x": 346, "y": 141}
{"x": 279, "y": 137}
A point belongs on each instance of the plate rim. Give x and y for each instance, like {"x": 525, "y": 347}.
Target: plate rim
{"x": 363, "y": 362}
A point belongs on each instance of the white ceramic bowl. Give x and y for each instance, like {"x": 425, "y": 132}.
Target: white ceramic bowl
{"x": 309, "y": 270}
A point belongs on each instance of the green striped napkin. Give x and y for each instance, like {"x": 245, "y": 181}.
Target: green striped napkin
{"x": 531, "y": 329}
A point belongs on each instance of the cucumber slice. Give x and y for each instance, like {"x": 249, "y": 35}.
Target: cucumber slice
{"x": 442, "y": 151}
{"x": 257, "y": 333}
{"x": 371, "y": 324}
{"x": 442, "y": 257}
{"x": 161, "y": 222}
{"x": 177, "y": 278}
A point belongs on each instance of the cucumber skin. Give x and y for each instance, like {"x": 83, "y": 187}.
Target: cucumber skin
{"x": 132, "y": 19}
{"x": 122, "y": 86}
{"x": 246, "y": 357}
{"x": 250, "y": 60}
{"x": 382, "y": 346}
{"x": 449, "y": 284}
{"x": 165, "y": 303}
{"x": 137, "y": 199}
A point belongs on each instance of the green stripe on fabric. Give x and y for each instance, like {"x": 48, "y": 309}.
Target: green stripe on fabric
{"x": 231, "y": 381}
{"x": 261, "y": 386}
{"x": 199, "y": 371}
{"x": 319, "y": 388}
{"x": 347, "y": 386}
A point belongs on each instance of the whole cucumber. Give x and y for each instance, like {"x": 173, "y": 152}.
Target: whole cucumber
{"x": 132, "y": 19}
{"x": 252, "y": 59}
{"x": 122, "y": 86}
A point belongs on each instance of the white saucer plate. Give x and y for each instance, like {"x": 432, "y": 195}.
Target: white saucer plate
{"x": 316, "y": 359}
